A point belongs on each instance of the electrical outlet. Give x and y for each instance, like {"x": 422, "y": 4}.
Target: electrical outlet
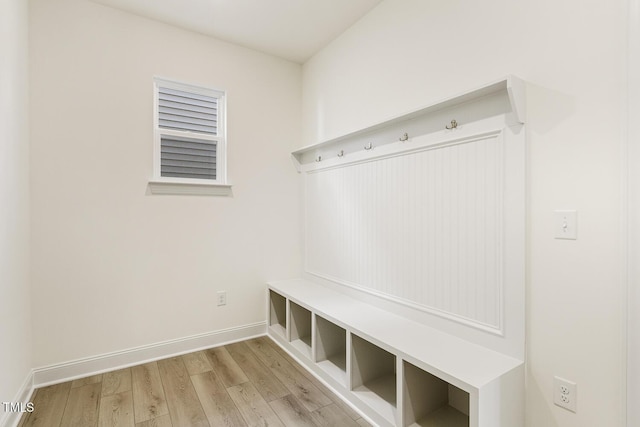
{"x": 222, "y": 298}
{"x": 565, "y": 393}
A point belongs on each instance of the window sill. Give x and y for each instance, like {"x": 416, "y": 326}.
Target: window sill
{"x": 189, "y": 188}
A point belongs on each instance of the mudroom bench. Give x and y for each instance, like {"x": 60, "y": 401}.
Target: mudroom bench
{"x": 395, "y": 371}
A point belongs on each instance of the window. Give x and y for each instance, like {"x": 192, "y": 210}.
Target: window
{"x": 190, "y": 139}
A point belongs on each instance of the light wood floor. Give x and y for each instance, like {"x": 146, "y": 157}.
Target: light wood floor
{"x": 251, "y": 383}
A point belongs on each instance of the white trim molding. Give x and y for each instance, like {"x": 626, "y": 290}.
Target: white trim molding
{"x": 632, "y": 219}
{"x": 189, "y": 188}
{"x": 492, "y": 329}
{"x": 80, "y": 368}
{"x": 11, "y": 419}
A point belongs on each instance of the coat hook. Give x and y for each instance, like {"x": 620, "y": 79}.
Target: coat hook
{"x": 404, "y": 137}
{"x": 454, "y": 125}
{"x": 369, "y": 146}
{"x": 319, "y": 159}
{"x": 341, "y": 153}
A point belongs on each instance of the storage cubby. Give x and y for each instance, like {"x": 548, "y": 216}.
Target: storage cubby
{"x": 300, "y": 328}
{"x": 277, "y": 314}
{"x": 331, "y": 349}
{"x": 432, "y": 402}
{"x": 373, "y": 377}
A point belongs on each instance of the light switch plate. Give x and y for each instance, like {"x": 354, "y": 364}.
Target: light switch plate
{"x": 566, "y": 224}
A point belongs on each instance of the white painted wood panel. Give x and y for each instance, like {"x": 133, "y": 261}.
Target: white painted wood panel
{"x": 425, "y": 228}
{"x": 633, "y": 220}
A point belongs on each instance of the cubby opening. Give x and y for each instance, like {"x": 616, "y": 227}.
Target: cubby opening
{"x": 300, "y": 328}
{"x": 331, "y": 349}
{"x": 373, "y": 377}
{"x": 432, "y": 402}
{"x": 278, "y": 314}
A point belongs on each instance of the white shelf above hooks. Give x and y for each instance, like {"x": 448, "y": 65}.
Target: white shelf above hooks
{"x": 432, "y": 122}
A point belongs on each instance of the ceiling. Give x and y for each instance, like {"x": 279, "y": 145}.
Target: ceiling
{"x": 291, "y": 29}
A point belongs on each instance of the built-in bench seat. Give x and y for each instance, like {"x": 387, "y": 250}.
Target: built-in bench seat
{"x": 395, "y": 371}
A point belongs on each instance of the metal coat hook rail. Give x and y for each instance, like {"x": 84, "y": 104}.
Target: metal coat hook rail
{"x": 369, "y": 145}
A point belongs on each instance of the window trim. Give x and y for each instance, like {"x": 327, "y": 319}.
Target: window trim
{"x": 172, "y": 185}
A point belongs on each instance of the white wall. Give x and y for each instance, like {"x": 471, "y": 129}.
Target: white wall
{"x": 408, "y": 53}
{"x": 115, "y": 267}
{"x": 633, "y": 331}
{"x": 15, "y": 321}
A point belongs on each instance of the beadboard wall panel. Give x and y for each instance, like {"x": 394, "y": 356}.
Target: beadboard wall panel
{"x": 423, "y": 228}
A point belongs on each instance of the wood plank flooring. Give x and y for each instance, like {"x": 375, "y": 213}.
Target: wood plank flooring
{"x": 250, "y": 383}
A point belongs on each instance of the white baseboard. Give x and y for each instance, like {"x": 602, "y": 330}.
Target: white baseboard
{"x": 11, "y": 419}
{"x": 68, "y": 371}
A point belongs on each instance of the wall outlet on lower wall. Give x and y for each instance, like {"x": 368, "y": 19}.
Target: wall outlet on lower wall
{"x": 222, "y": 298}
{"x": 565, "y": 393}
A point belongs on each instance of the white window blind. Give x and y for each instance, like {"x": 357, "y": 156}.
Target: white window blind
{"x": 190, "y": 137}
